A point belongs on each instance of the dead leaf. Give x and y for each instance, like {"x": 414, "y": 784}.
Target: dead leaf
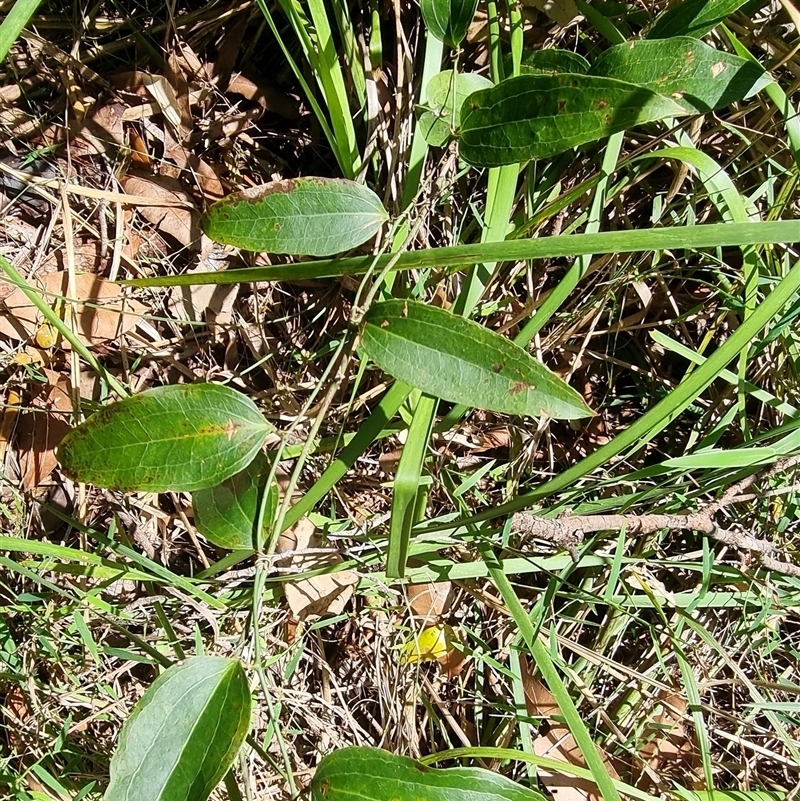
{"x": 325, "y": 594}
{"x": 99, "y": 133}
{"x": 558, "y": 743}
{"x": 669, "y": 749}
{"x": 208, "y": 181}
{"x": 211, "y": 302}
{"x": 430, "y": 601}
{"x": 175, "y": 220}
{"x": 8, "y": 417}
{"x": 41, "y": 428}
{"x": 160, "y": 89}
{"x": 102, "y": 313}
{"x": 269, "y": 99}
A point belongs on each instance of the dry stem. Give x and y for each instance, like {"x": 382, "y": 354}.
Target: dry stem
{"x": 568, "y": 532}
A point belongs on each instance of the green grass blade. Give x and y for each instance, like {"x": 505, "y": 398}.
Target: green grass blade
{"x": 407, "y": 485}
{"x": 15, "y": 21}
{"x": 552, "y": 765}
{"x": 682, "y": 238}
{"x": 369, "y": 430}
{"x": 666, "y": 410}
{"x": 547, "y": 668}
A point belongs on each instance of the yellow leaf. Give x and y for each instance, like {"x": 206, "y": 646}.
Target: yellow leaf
{"x": 432, "y": 643}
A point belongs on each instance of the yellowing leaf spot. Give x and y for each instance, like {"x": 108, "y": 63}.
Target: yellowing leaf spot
{"x": 230, "y": 429}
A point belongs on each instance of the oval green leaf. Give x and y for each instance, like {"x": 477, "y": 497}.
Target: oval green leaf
{"x": 446, "y": 94}
{"x": 448, "y": 20}
{"x": 300, "y": 216}
{"x": 552, "y": 60}
{"x": 353, "y": 774}
{"x": 536, "y": 116}
{"x": 182, "y": 437}
{"x": 183, "y": 734}
{"x": 695, "y": 75}
{"x": 453, "y": 358}
{"x": 225, "y": 514}
{"x": 692, "y": 18}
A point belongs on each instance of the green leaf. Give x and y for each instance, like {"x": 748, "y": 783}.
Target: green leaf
{"x": 179, "y": 437}
{"x": 354, "y": 774}
{"x": 448, "y": 20}
{"x": 450, "y": 357}
{"x": 692, "y": 18}
{"x": 552, "y": 60}
{"x": 225, "y": 514}
{"x": 437, "y": 122}
{"x": 299, "y": 216}
{"x": 184, "y": 733}
{"x": 536, "y": 116}
{"x": 698, "y": 77}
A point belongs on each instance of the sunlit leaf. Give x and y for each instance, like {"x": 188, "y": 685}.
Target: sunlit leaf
{"x": 450, "y": 357}
{"x": 698, "y": 77}
{"x": 552, "y": 60}
{"x": 299, "y": 216}
{"x": 183, "y": 734}
{"x": 353, "y": 774}
{"x": 445, "y": 98}
{"x": 178, "y": 437}
{"x": 536, "y": 116}
{"x": 692, "y": 18}
{"x": 448, "y": 20}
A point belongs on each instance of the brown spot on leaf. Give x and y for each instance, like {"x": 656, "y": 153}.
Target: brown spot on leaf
{"x": 519, "y": 386}
{"x": 385, "y": 324}
{"x": 498, "y": 368}
{"x": 562, "y": 104}
{"x": 602, "y": 103}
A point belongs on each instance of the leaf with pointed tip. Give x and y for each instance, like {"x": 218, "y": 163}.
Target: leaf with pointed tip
{"x": 183, "y": 734}
{"x": 298, "y": 216}
{"x": 438, "y": 122}
{"x": 692, "y": 18}
{"x": 453, "y": 358}
{"x": 356, "y": 773}
{"x": 536, "y": 116}
{"x": 698, "y": 77}
{"x": 225, "y": 514}
{"x": 181, "y": 437}
{"x": 448, "y": 20}
{"x": 552, "y": 60}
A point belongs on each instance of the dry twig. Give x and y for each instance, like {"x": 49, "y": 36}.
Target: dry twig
{"x": 568, "y": 532}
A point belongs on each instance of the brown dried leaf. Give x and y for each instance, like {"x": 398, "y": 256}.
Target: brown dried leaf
{"x": 269, "y": 99}
{"x": 558, "y": 743}
{"x": 177, "y": 221}
{"x": 101, "y": 132}
{"x": 325, "y": 594}
{"x": 430, "y": 601}
{"x": 102, "y": 313}
{"x": 41, "y": 429}
{"x": 669, "y": 748}
{"x": 8, "y": 417}
{"x": 209, "y": 301}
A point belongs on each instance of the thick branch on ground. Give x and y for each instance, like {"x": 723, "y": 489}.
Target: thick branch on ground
{"x": 568, "y": 532}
